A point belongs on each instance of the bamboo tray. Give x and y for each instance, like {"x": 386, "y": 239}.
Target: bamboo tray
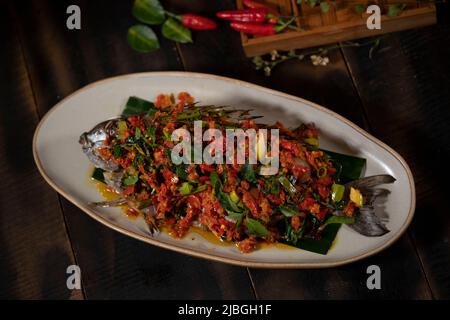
{"x": 340, "y": 23}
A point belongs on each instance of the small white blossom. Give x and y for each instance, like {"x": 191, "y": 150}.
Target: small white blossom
{"x": 319, "y": 60}
{"x": 274, "y": 55}
{"x": 267, "y": 71}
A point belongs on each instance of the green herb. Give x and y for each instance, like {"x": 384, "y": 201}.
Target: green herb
{"x": 236, "y": 217}
{"x": 151, "y": 133}
{"x": 226, "y": 202}
{"x": 136, "y": 106}
{"x": 137, "y": 133}
{"x": 288, "y": 186}
{"x": 189, "y": 115}
{"x": 248, "y": 173}
{"x": 142, "y": 39}
{"x": 215, "y": 182}
{"x": 289, "y": 211}
{"x": 148, "y": 11}
{"x": 255, "y": 227}
{"x": 98, "y": 175}
{"x": 185, "y": 189}
{"x": 324, "y": 6}
{"x": 174, "y": 30}
{"x": 394, "y": 10}
{"x": 274, "y": 187}
{"x": 117, "y": 151}
{"x": 130, "y": 180}
{"x": 339, "y": 219}
{"x": 359, "y": 8}
{"x": 181, "y": 172}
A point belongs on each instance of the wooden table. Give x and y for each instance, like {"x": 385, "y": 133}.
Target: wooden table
{"x": 401, "y": 96}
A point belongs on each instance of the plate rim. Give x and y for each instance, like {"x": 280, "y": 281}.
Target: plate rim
{"x": 199, "y": 254}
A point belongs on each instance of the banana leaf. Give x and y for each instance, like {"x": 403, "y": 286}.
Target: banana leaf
{"x": 98, "y": 175}
{"x": 136, "y": 106}
{"x": 349, "y": 168}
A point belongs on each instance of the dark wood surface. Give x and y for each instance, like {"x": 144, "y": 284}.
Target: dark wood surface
{"x": 400, "y": 95}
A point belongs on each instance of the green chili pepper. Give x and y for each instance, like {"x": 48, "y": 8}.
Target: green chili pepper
{"x": 337, "y": 192}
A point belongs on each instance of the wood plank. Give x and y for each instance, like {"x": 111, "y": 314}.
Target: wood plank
{"x": 60, "y": 61}
{"x": 220, "y": 52}
{"x": 407, "y": 102}
{"x": 34, "y": 246}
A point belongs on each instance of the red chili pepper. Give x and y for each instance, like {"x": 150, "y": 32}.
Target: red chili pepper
{"x": 260, "y": 28}
{"x": 196, "y": 22}
{"x": 256, "y": 5}
{"x": 255, "y": 28}
{"x": 250, "y": 15}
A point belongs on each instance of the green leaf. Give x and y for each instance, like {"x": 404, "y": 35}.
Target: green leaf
{"x": 151, "y": 132}
{"x": 215, "y": 182}
{"x": 137, "y": 133}
{"x": 226, "y": 202}
{"x": 136, "y": 106}
{"x": 181, "y": 172}
{"x": 288, "y": 211}
{"x": 339, "y": 219}
{"x": 248, "y": 173}
{"x": 394, "y": 10}
{"x": 130, "y": 180}
{"x": 359, "y": 8}
{"x": 324, "y": 6}
{"x": 288, "y": 186}
{"x": 98, "y": 175}
{"x": 174, "y": 30}
{"x": 255, "y": 227}
{"x": 236, "y": 217}
{"x": 142, "y": 39}
{"x": 185, "y": 189}
{"x": 117, "y": 151}
{"x": 149, "y": 11}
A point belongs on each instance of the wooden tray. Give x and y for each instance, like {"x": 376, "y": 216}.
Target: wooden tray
{"x": 340, "y": 23}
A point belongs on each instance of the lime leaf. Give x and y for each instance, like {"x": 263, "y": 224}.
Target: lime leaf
{"x": 148, "y": 11}
{"x": 142, "y": 39}
{"x": 175, "y": 31}
{"x": 394, "y": 10}
{"x": 255, "y": 227}
{"x": 325, "y": 6}
{"x": 136, "y": 106}
{"x": 359, "y": 8}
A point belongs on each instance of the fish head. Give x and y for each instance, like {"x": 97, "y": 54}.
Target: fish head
{"x": 92, "y": 141}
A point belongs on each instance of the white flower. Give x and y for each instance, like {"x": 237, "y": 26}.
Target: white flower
{"x": 274, "y": 55}
{"x": 267, "y": 71}
{"x": 319, "y": 60}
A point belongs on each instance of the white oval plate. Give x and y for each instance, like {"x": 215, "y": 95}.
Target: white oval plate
{"x": 63, "y": 165}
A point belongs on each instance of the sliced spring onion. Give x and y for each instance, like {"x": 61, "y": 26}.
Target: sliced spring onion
{"x": 185, "y": 188}
{"x": 337, "y": 192}
{"x": 234, "y": 197}
{"x": 322, "y": 172}
{"x": 287, "y": 185}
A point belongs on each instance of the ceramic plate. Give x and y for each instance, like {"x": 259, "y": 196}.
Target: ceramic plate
{"x": 64, "y": 166}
